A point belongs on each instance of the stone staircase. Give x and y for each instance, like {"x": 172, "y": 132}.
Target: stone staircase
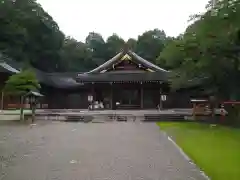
{"x": 163, "y": 117}
{"x": 78, "y": 118}
{"x": 100, "y": 118}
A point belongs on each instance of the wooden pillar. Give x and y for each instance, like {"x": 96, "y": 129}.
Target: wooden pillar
{"x": 92, "y": 91}
{"x": 141, "y": 93}
{"x": 160, "y": 99}
{"x": 111, "y": 96}
{"x": 2, "y": 100}
{"x": 93, "y": 96}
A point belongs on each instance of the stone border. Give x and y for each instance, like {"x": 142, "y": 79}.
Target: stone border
{"x": 185, "y": 155}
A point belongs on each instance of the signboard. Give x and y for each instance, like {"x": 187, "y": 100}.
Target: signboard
{"x": 163, "y": 97}
{"x": 90, "y": 98}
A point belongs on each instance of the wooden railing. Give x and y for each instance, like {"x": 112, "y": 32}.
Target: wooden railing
{"x": 18, "y": 106}
{"x": 14, "y": 106}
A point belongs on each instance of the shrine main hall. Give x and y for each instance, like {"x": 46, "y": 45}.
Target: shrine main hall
{"x": 127, "y": 81}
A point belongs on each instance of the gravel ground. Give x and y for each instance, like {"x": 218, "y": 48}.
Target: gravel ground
{"x": 78, "y": 151}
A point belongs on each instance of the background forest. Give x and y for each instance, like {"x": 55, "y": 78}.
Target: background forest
{"x": 209, "y": 48}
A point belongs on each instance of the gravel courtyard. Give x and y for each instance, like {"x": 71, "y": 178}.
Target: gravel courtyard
{"x": 78, "y": 151}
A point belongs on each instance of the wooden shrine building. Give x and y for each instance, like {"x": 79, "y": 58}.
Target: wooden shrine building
{"x": 127, "y": 81}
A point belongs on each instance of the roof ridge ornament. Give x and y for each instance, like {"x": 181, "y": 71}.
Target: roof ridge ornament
{"x": 126, "y": 57}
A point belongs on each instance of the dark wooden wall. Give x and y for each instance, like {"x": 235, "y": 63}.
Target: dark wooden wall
{"x": 8, "y": 101}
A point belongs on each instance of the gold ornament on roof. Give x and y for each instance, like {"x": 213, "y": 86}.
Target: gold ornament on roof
{"x": 126, "y": 57}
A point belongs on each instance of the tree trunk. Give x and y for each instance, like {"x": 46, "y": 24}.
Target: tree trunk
{"x": 21, "y": 109}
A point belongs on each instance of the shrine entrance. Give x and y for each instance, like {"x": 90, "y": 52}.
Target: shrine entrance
{"x": 127, "y": 99}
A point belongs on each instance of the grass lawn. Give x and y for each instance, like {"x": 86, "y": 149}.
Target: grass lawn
{"x": 216, "y": 150}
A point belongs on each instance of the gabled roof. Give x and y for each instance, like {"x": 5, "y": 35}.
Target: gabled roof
{"x": 106, "y": 64}
{"x": 74, "y": 80}
{"x": 34, "y": 93}
{"x": 136, "y": 58}
{"x": 147, "y": 63}
{"x": 4, "y": 67}
{"x": 57, "y": 80}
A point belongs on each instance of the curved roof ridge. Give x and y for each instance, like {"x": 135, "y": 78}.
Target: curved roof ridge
{"x": 147, "y": 62}
{"x": 101, "y": 67}
{"x": 9, "y": 68}
{"x": 131, "y": 53}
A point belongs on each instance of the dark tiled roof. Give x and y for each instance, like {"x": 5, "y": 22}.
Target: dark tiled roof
{"x": 146, "y": 63}
{"x": 5, "y": 69}
{"x": 57, "y": 80}
{"x": 73, "y": 80}
{"x": 118, "y": 57}
{"x": 95, "y": 75}
{"x": 109, "y": 63}
{"x": 115, "y": 77}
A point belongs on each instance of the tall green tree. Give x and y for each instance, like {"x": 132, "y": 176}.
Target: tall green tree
{"x": 76, "y": 56}
{"x": 132, "y": 44}
{"x": 29, "y": 34}
{"x": 150, "y": 44}
{"x": 20, "y": 84}
{"x": 114, "y": 45}
{"x": 97, "y": 46}
{"x": 210, "y": 48}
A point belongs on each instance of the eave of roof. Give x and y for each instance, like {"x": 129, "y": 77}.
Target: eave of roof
{"x": 120, "y": 77}
{"x": 34, "y": 93}
{"x": 7, "y": 68}
{"x": 74, "y": 80}
{"x": 147, "y": 63}
{"x": 57, "y": 80}
{"x": 118, "y": 57}
{"x": 106, "y": 64}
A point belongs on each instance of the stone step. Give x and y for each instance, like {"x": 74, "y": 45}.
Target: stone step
{"x": 121, "y": 118}
{"x": 77, "y": 118}
{"x": 163, "y": 117}
{"x": 124, "y": 117}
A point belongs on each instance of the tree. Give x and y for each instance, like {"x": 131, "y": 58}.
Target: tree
{"x": 114, "y": 45}
{"x": 132, "y": 44}
{"x": 209, "y": 49}
{"x": 76, "y": 56}
{"x": 20, "y": 84}
{"x": 150, "y": 44}
{"x": 28, "y": 34}
{"x": 202, "y": 47}
{"x": 171, "y": 57}
{"x": 97, "y": 46}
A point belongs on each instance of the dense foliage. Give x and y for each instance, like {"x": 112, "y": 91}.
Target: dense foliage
{"x": 21, "y": 83}
{"x": 209, "y": 49}
{"x": 29, "y": 34}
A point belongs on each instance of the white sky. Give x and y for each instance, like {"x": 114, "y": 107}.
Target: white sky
{"x": 127, "y": 18}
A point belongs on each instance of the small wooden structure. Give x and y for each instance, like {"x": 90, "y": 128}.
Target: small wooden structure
{"x": 200, "y": 107}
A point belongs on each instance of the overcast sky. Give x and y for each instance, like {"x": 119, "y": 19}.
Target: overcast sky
{"x": 127, "y": 18}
